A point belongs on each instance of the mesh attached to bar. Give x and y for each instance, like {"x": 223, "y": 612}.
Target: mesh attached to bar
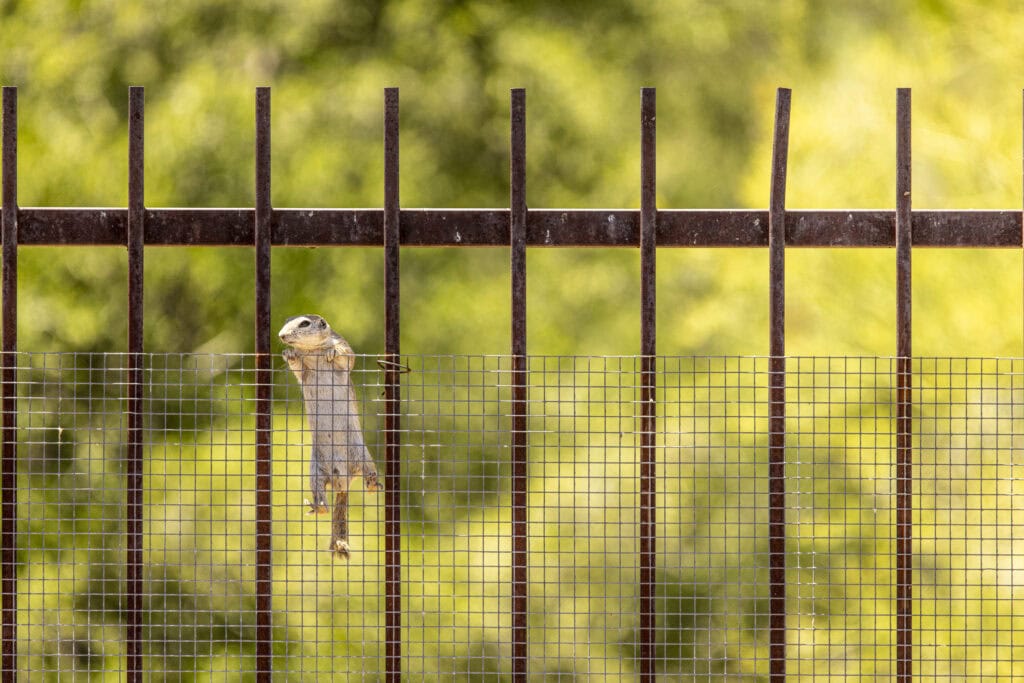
{"x": 711, "y": 582}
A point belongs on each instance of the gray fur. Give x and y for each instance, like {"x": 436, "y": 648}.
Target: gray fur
{"x": 322, "y": 362}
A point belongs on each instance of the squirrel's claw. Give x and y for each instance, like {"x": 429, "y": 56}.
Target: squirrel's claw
{"x": 372, "y": 484}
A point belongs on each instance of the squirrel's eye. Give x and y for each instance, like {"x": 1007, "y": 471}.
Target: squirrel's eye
{"x": 304, "y": 323}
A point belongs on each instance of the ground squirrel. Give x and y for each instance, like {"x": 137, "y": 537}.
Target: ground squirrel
{"x": 322, "y": 362}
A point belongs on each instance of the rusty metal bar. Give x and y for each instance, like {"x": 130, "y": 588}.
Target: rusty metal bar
{"x": 777, "y": 392}
{"x": 904, "y": 482}
{"x": 392, "y": 398}
{"x": 520, "y": 454}
{"x": 9, "y": 474}
{"x": 136, "y": 240}
{"x": 648, "y": 351}
{"x": 264, "y": 513}
{"x": 544, "y": 227}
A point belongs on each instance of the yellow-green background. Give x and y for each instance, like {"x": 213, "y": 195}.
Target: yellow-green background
{"x": 716, "y": 67}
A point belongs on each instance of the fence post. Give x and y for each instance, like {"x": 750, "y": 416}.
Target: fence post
{"x": 392, "y": 398}
{"x": 777, "y": 391}
{"x": 136, "y": 240}
{"x": 264, "y": 512}
{"x": 648, "y": 360}
{"x": 520, "y": 437}
{"x": 904, "y": 482}
{"x": 9, "y": 475}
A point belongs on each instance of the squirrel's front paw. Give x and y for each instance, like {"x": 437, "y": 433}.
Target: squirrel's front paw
{"x": 330, "y": 354}
{"x": 289, "y": 354}
{"x": 372, "y": 484}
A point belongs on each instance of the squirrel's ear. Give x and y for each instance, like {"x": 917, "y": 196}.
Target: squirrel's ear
{"x": 323, "y": 323}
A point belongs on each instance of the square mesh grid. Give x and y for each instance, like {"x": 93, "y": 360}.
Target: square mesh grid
{"x": 840, "y": 518}
{"x": 711, "y": 583}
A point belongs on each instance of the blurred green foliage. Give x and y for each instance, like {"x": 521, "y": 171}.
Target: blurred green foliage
{"x": 716, "y": 66}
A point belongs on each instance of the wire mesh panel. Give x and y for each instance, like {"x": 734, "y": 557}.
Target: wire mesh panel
{"x": 456, "y": 518}
{"x": 584, "y": 492}
{"x": 198, "y": 548}
{"x": 711, "y": 585}
{"x": 70, "y": 516}
{"x": 712, "y": 564}
{"x": 840, "y": 518}
{"x": 969, "y": 550}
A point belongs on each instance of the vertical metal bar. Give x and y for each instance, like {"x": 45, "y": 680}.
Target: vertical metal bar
{"x": 9, "y": 474}
{"x": 517, "y": 239}
{"x": 904, "y": 483}
{"x": 648, "y": 349}
{"x": 392, "y": 399}
{"x": 136, "y": 239}
{"x": 264, "y": 656}
{"x": 777, "y": 391}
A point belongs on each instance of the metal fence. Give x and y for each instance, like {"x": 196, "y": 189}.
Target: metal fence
{"x": 691, "y": 518}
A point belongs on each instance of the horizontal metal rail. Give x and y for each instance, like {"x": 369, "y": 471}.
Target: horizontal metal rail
{"x": 544, "y": 227}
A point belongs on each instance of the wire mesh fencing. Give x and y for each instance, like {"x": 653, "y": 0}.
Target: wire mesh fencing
{"x": 712, "y": 563}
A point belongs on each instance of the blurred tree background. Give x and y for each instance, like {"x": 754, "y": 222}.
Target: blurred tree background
{"x": 716, "y": 67}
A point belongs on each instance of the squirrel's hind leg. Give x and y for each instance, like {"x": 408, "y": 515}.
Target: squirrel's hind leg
{"x": 318, "y": 482}
{"x": 368, "y": 470}
{"x": 369, "y": 473}
{"x": 372, "y": 483}
{"x": 339, "y": 525}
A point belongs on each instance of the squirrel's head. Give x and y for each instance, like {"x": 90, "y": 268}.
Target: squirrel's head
{"x": 305, "y": 331}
